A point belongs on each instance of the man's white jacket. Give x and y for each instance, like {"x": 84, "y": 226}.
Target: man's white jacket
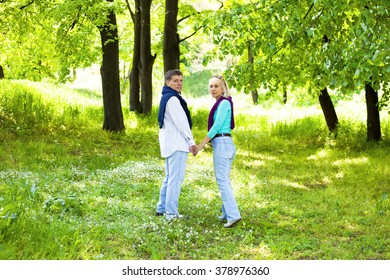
{"x": 175, "y": 135}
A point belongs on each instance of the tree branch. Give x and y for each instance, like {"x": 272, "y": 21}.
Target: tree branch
{"x": 311, "y": 7}
{"x": 286, "y": 43}
{"x": 184, "y": 18}
{"x": 26, "y": 5}
{"x": 196, "y": 31}
{"x": 220, "y": 7}
{"x": 130, "y": 10}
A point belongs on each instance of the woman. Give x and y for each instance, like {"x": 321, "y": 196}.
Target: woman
{"x": 220, "y": 124}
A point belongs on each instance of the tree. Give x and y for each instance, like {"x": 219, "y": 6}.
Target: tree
{"x": 141, "y": 89}
{"x": 326, "y": 102}
{"x": 27, "y": 48}
{"x": 76, "y": 34}
{"x": 289, "y": 47}
{"x": 51, "y": 38}
{"x": 255, "y": 95}
{"x": 371, "y": 55}
{"x": 113, "y": 117}
{"x": 328, "y": 110}
{"x": 373, "y": 120}
{"x": 171, "y": 49}
{"x": 48, "y": 39}
{"x": 172, "y": 39}
{"x": 134, "y": 100}
{"x": 147, "y": 60}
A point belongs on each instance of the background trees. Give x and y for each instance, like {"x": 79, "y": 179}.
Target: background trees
{"x": 147, "y": 59}
{"x": 171, "y": 48}
{"x": 134, "y": 98}
{"x": 328, "y": 48}
{"x": 113, "y": 117}
{"x": 52, "y": 38}
{"x": 313, "y": 44}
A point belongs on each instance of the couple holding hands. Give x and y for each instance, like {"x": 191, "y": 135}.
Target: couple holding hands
{"x": 176, "y": 141}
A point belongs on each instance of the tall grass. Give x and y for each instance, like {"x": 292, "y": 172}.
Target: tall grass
{"x": 68, "y": 190}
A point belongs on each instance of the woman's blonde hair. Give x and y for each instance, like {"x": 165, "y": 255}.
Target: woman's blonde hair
{"x": 223, "y": 83}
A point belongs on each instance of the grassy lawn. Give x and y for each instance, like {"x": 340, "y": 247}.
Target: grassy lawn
{"x": 68, "y": 190}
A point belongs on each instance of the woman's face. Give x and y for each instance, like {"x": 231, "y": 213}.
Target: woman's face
{"x": 215, "y": 88}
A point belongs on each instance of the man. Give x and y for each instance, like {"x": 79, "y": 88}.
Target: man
{"x": 176, "y": 141}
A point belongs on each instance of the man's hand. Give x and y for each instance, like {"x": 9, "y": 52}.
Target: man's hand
{"x": 194, "y": 150}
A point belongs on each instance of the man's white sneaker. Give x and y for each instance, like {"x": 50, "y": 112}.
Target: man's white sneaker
{"x": 232, "y": 223}
{"x": 176, "y": 217}
{"x": 222, "y": 219}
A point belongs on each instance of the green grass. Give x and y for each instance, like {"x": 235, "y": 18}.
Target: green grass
{"x": 68, "y": 190}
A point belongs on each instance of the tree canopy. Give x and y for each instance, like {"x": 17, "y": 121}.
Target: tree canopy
{"x": 277, "y": 45}
{"x": 314, "y": 43}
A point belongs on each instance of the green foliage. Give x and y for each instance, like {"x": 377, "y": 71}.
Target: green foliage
{"x": 338, "y": 44}
{"x": 385, "y": 100}
{"x": 196, "y": 83}
{"x": 48, "y": 39}
{"x": 77, "y": 192}
{"x": 341, "y": 45}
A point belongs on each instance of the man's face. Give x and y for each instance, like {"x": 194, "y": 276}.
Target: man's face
{"x": 176, "y": 82}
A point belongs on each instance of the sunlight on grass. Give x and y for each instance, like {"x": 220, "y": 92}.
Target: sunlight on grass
{"x": 339, "y": 175}
{"x": 296, "y": 185}
{"x": 261, "y": 252}
{"x": 354, "y": 161}
{"x": 60, "y": 93}
{"x": 88, "y": 78}
{"x": 207, "y": 194}
{"x": 321, "y": 154}
{"x": 132, "y": 123}
{"x": 256, "y": 163}
{"x": 258, "y": 157}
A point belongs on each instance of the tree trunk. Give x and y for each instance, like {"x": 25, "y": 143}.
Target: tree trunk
{"x": 134, "y": 74}
{"x": 373, "y": 120}
{"x": 147, "y": 60}
{"x": 113, "y": 117}
{"x": 171, "y": 49}
{"x": 255, "y": 95}
{"x": 285, "y": 97}
{"x": 328, "y": 110}
{"x": 1, "y": 72}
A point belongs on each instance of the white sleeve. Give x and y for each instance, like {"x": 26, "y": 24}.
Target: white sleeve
{"x": 179, "y": 119}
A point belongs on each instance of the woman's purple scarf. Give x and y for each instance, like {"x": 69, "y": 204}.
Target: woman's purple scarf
{"x": 212, "y": 111}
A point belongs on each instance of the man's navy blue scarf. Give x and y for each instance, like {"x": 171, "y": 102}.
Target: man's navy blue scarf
{"x": 168, "y": 92}
{"x": 212, "y": 112}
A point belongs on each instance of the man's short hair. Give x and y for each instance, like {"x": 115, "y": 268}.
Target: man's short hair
{"x": 170, "y": 73}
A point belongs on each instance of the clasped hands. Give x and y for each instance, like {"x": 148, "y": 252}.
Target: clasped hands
{"x": 194, "y": 149}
